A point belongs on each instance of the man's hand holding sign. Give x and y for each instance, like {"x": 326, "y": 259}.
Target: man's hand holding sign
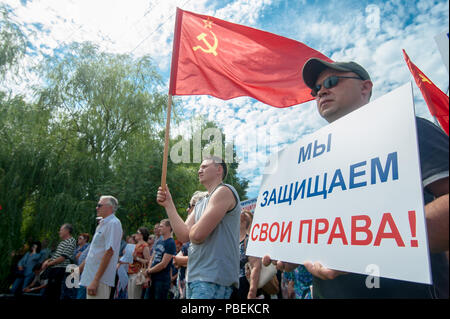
{"x": 350, "y": 195}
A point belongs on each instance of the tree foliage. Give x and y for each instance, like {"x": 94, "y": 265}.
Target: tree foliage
{"x": 96, "y": 127}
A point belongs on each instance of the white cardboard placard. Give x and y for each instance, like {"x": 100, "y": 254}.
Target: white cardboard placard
{"x": 371, "y": 162}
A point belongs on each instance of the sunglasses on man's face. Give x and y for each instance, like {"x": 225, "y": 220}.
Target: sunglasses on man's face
{"x": 330, "y": 82}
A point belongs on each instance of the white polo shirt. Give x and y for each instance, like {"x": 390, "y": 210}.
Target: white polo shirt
{"x": 107, "y": 235}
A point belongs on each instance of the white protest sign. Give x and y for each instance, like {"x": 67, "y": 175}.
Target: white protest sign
{"x": 349, "y": 195}
{"x": 442, "y": 41}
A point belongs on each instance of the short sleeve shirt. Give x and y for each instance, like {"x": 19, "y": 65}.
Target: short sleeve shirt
{"x": 65, "y": 249}
{"x": 83, "y": 255}
{"x": 107, "y": 235}
{"x": 163, "y": 247}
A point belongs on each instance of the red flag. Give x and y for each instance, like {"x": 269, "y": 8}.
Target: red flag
{"x": 226, "y": 60}
{"x": 436, "y": 100}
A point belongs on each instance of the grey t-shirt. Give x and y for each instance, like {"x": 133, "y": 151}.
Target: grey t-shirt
{"x": 216, "y": 260}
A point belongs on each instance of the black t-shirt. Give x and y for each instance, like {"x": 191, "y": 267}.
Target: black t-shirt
{"x": 433, "y": 150}
{"x": 163, "y": 247}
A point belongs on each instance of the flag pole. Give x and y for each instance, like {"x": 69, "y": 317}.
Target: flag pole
{"x": 166, "y": 143}
{"x": 173, "y": 78}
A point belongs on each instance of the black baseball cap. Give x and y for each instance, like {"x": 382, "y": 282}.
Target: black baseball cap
{"x": 314, "y": 66}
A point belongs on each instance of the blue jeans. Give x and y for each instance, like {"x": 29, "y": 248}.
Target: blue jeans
{"x": 207, "y": 290}
{"x": 159, "y": 289}
{"x": 66, "y": 292}
{"x": 21, "y": 283}
{"x": 80, "y": 292}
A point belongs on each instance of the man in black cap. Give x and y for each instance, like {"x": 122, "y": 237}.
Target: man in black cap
{"x": 340, "y": 88}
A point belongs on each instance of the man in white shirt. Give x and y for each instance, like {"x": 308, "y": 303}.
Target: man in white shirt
{"x": 99, "y": 268}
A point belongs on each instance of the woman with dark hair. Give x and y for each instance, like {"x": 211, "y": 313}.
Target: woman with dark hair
{"x": 141, "y": 257}
{"x": 25, "y": 267}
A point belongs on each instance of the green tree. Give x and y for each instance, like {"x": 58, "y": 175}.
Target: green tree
{"x": 95, "y": 128}
{"x": 13, "y": 42}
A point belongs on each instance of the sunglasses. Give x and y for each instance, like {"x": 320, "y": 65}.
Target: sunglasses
{"x": 330, "y": 82}
{"x": 100, "y": 205}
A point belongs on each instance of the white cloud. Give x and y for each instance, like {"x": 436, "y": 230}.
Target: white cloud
{"x": 344, "y": 30}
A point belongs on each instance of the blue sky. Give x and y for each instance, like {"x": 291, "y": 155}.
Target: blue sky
{"x": 373, "y": 33}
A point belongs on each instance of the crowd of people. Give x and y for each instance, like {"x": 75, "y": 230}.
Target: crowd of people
{"x": 161, "y": 259}
{"x": 148, "y": 264}
{"x": 208, "y": 260}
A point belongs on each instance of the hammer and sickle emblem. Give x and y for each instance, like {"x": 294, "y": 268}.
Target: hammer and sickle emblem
{"x": 210, "y": 48}
{"x": 424, "y": 78}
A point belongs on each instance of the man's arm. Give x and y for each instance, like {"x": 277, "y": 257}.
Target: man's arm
{"x": 179, "y": 226}
{"x": 220, "y": 203}
{"x": 255, "y": 264}
{"x": 58, "y": 260}
{"x": 35, "y": 288}
{"x": 92, "y": 289}
{"x": 180, "y": 260}
{"x": 161, "y": 265}
{"x": 436, "y": 215}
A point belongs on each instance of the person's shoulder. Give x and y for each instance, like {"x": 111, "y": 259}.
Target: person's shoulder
{"x": 425, "y": 127}
{"x": 433, "y": 141}
{"x": 170, "y": 242}
{"x": 66, "y": 242}
{"x": 224, "y": 192}
{"x": 115, "y": 220}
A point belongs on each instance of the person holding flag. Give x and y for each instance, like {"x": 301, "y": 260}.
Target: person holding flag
{"x": 213, "y": 230}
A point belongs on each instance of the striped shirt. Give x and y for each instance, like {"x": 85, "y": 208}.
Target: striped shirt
{"x": 65, "y": 249}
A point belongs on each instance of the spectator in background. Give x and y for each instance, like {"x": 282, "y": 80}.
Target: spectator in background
{"x": 25, "y": 267}
{"x": 287, "y": 286}
{"x": 45, "y": 251}
{"x": 151, "y": 242}
{"x": 244, "y": 286}
{"x": 141, "y": 258}
{"x": 158, "y": 237}
{"x": 300, "y": 280}
{"x": 98, "y": 270}
{"x": 80, "y": 255}
{"x": 159, "y": 270}
{"x": 83, "y": 244}
{"x": 38, "y": 284}
{"x": 57, "y": 264}
{"x": 181, "y": 259}
{"x": 122, "y": 269}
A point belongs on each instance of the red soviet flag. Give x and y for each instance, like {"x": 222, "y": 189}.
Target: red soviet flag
{"x": 436, "y": 100}
{"x": 226, "y": 60}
